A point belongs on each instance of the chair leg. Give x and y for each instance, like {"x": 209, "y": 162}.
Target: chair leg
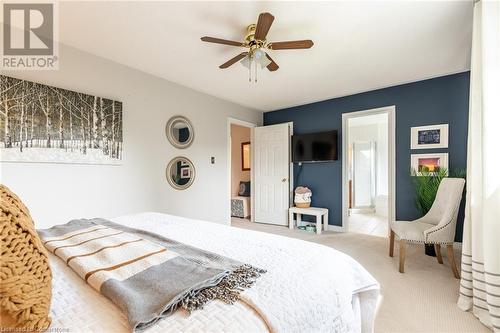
{"x": 402, "y": 255}
{"x": 391, "y": 244}
{"x": 437, "y": 248}
{"x": 451, "y": 259}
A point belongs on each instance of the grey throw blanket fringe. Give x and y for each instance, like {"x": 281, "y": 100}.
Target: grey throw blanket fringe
{"x": 227, "y": 290}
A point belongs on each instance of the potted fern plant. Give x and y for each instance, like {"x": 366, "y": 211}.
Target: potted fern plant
{"x": 426, "y": 185}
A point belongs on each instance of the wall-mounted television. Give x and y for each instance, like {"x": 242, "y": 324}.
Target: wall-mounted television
{"x": 314, "y": 147}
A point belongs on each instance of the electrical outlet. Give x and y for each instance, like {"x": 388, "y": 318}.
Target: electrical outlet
{"x": 212, "y": 160}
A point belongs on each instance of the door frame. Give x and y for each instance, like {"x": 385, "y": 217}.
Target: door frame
{"x": 244, "y": 123}
{"x": 391, "y": 127}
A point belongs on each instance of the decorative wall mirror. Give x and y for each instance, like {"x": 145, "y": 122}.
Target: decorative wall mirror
{"x": 180, "y": 173}
{"x": 179, "y": 132}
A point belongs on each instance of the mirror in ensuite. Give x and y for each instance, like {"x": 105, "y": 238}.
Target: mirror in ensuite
{"x": 368, "y": 174}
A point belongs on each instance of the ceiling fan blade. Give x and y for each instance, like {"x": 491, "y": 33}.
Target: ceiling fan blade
{"x": 273, "y": 66}
{"x": 233, "y": 60}
{"x": 294, "y": 44}
{"x": 221, "y": 41}
{"x": 263, "y": 25}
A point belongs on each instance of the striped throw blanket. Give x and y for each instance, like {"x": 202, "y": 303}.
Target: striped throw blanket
{"x": 146, "y": 275}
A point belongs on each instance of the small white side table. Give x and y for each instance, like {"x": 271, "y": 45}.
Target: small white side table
{"x": 320, "y": 213}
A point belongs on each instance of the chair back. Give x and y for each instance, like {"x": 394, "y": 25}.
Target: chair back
{"x": 447, "y": 201}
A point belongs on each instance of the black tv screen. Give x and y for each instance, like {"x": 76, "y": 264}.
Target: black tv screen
{"x": 314, "y": 147}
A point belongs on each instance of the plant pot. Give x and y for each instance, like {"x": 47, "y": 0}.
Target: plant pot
{"x": 429, "y": 250}
{"x": 303, "y": 204}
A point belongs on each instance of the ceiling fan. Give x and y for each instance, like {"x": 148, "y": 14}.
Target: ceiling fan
{"x": 255, "y": 41}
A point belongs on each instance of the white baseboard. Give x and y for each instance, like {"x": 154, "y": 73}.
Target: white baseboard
{"x": 335, "y": 228}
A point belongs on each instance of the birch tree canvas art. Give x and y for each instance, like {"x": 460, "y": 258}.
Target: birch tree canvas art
{"x": 41, "y": 123}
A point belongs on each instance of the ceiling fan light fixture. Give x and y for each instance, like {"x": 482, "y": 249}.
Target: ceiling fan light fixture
{"x": 258, "y": 54}
{"x": 263, "y": 62}
{"x": 256, "y": 43}
{"x": 246, "y": 62}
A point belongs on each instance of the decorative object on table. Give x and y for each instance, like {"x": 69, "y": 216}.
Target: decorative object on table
{"x": 426, "y": 187}
{"x": 428, "y": 163}
{"x": 180, "y": 176}
{"x": 42, "y": 123}
{"x": 179, "y": 131}
{"x": 302, "y": 197}
{"x": 428, "y": 137}
{"x": 302, "y": 227}
{"x": 244, "y": 189}
{"x": 245, "y": 156}
{"x": 437, "y": 227}
{"x": 310, "y": 228}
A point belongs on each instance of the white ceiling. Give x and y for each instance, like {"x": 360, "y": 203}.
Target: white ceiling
{"x": 359, "y": 46}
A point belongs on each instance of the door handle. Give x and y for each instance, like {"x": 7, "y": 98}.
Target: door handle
{"x": 283, "y": 180}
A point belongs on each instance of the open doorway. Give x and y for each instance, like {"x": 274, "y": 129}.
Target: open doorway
{"x": 240, "y": 185}
{"x": 368, "y": 171}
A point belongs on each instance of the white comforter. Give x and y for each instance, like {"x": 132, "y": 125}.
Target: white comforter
{"x": 307, "y": 287}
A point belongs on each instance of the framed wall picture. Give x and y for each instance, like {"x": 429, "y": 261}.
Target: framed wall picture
{"x": 45, "y": 124}
{"x": 432, "y": 136}
{"x": 423, "y": 163}
{"x": 245, "y": 156}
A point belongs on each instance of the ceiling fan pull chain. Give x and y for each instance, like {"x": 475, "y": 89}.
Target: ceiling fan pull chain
{"x": 256, "y": 71}
{"x": 250, "y": 71}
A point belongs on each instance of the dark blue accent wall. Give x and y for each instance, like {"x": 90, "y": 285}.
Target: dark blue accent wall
{"x": 442, "y": 100}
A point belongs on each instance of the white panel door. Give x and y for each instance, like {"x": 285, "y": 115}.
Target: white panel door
{"x": 271, "y": 165}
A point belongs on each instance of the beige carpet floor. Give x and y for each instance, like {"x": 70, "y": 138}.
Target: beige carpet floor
{"x": 423, "y": 299}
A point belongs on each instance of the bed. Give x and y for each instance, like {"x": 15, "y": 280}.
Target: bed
{"x": 307, "y": 288}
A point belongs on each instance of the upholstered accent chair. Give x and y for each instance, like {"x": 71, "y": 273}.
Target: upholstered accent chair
{"x": 436, "y": 227}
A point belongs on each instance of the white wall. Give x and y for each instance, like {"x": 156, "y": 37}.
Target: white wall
{"x": 239, "y": 134}
{"x": 55, "y": 193}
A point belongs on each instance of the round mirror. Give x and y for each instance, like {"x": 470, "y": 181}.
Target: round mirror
{"x": 180, "y": 173}
{"x": 180, "y": 132}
